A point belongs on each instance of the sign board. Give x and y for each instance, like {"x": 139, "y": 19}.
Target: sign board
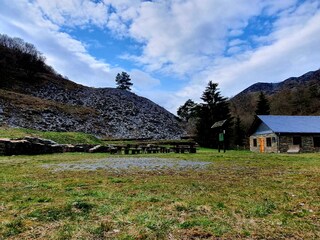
{"x": 221, "y": 137}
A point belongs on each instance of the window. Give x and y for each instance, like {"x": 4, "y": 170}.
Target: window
{"x": 296, "y": 141}
{"x": 268, "y": 141}
{"x": 255, "y": 142}
{"x": 316, "y": 141}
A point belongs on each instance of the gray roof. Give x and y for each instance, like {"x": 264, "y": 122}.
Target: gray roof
{"x": 219, "y": 124}
{"x": 292, "y": 124}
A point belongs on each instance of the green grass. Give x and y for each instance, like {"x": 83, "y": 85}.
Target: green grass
{"x": 74, "y": 137}
{"x": 241, "y": 195}
{"x": 59, "y": 137}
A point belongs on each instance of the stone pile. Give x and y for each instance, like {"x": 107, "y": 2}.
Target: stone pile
{"x": 106, "y": 112}
{"x": 28, "y": 146}
{"x": 34, "y": 146}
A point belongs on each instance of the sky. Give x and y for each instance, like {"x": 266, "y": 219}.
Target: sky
{"x": 170, "y": 48}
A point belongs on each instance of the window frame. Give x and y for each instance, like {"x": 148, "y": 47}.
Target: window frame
{"x": 316, "y": 143}
{"x": 255, "y": 142}
{"x": 268, "y": 142}
{"x": 295, "y": 142}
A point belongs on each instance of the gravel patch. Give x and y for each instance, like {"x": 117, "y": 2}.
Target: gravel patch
{"x": 125, "y": 164}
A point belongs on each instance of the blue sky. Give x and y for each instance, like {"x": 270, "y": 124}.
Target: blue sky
{"x": 171, "y": 48}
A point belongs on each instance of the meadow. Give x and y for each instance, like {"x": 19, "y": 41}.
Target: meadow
{"x": 240, "y": 195}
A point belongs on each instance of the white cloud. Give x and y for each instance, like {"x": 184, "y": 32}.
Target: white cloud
{"x": 74, "y": 13}
{"x": 143, "y": 81}
{"x": 189, "y": 38}
{"x": 183, "y": 30}
{"x": 167, "y": 99}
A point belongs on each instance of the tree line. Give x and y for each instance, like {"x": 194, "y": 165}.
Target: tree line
{"x": 18, "y": 56}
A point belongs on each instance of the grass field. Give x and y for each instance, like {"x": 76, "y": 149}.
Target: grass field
{"x": 59, "y": 137}
{"x": 241, "y": 195}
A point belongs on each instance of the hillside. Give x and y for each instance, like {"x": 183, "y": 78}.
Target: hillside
{"x": 33, "y": 95}
{"x": 293, "y": 96}
{"x": 306, "y": 80}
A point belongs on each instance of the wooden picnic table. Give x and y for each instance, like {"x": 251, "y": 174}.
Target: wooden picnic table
{"x": 177, "y": 147}
{"x": 182, "y": 147}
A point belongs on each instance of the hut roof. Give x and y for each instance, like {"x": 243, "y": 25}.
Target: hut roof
{"x": 219, "y": 124}
{"x": 290, "y": 124}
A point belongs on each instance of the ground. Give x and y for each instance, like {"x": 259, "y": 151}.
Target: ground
{"x": 236, "y": 194}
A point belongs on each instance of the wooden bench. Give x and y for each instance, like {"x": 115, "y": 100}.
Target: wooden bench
{"x": 182, "y": 148}
{"x": 294, "y": 149}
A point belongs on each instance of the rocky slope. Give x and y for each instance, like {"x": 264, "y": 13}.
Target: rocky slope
{"x": 33, "y": 95}
{"x": 56, "y": 104}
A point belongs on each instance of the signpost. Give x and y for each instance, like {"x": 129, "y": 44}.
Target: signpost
{"x": 221, "y": 136}
{"x": 221, "y": 140}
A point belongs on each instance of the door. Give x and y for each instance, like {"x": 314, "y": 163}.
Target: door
{"x": 261, "y": 144}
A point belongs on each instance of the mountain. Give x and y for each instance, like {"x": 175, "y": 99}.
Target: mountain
{"x": 307, "y": 79}
{"x": 33, "y": 95}
{"x": 293, "y": 96}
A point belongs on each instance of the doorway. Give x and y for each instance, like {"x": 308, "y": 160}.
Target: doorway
{"x": 261, "y": 145}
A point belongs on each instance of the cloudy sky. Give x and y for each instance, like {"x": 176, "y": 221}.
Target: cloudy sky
{"x": 171, "y": 48}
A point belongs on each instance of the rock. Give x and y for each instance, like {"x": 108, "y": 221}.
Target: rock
{"x": 40, "y": 140}
{"x": 99, "y": 149}
{"x": 68, "y": 147}
{"x": 83, "y": 147}
{"x": 32, "y": 146}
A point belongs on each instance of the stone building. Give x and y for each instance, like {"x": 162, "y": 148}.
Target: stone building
{"x": 281, "y": 134}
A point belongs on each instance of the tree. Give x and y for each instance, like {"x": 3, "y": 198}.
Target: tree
{"x": 19, "y": 56}
{"x": 123, "y": 81}
{"x": 187, "y": 110}
{"x": 263, "y": 106}
{"x": 238, "y": 133}
{"x": 215, "y": 108}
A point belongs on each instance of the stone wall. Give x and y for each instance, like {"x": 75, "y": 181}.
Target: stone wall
{"x": 274, "y": 143}
{"x": 26, "y": 147}
{"x": 281, "y": 143}
{"x": 285, "y": 142}
{"x": 307, "y": 144}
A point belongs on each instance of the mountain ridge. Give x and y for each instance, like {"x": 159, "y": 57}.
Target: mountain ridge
{"x": 292, "y": 96}
{"x": 271, "y": 88}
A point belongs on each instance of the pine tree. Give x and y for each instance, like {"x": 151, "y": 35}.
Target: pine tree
{"x": 239, "y": 134}
{"x": 187, "y": 110}
{"x": 123, "y": 81}
{"x": 215, "y": 108}
{"x": 263, "y": 106}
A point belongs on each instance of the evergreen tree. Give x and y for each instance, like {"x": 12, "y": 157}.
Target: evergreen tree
{"x": 187, "y": 110}
{"x": 215, "y": 108}
{"x": 123, "y": 81}
{"x": 239, "y": 134}
{"x": 263, "y": 106}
